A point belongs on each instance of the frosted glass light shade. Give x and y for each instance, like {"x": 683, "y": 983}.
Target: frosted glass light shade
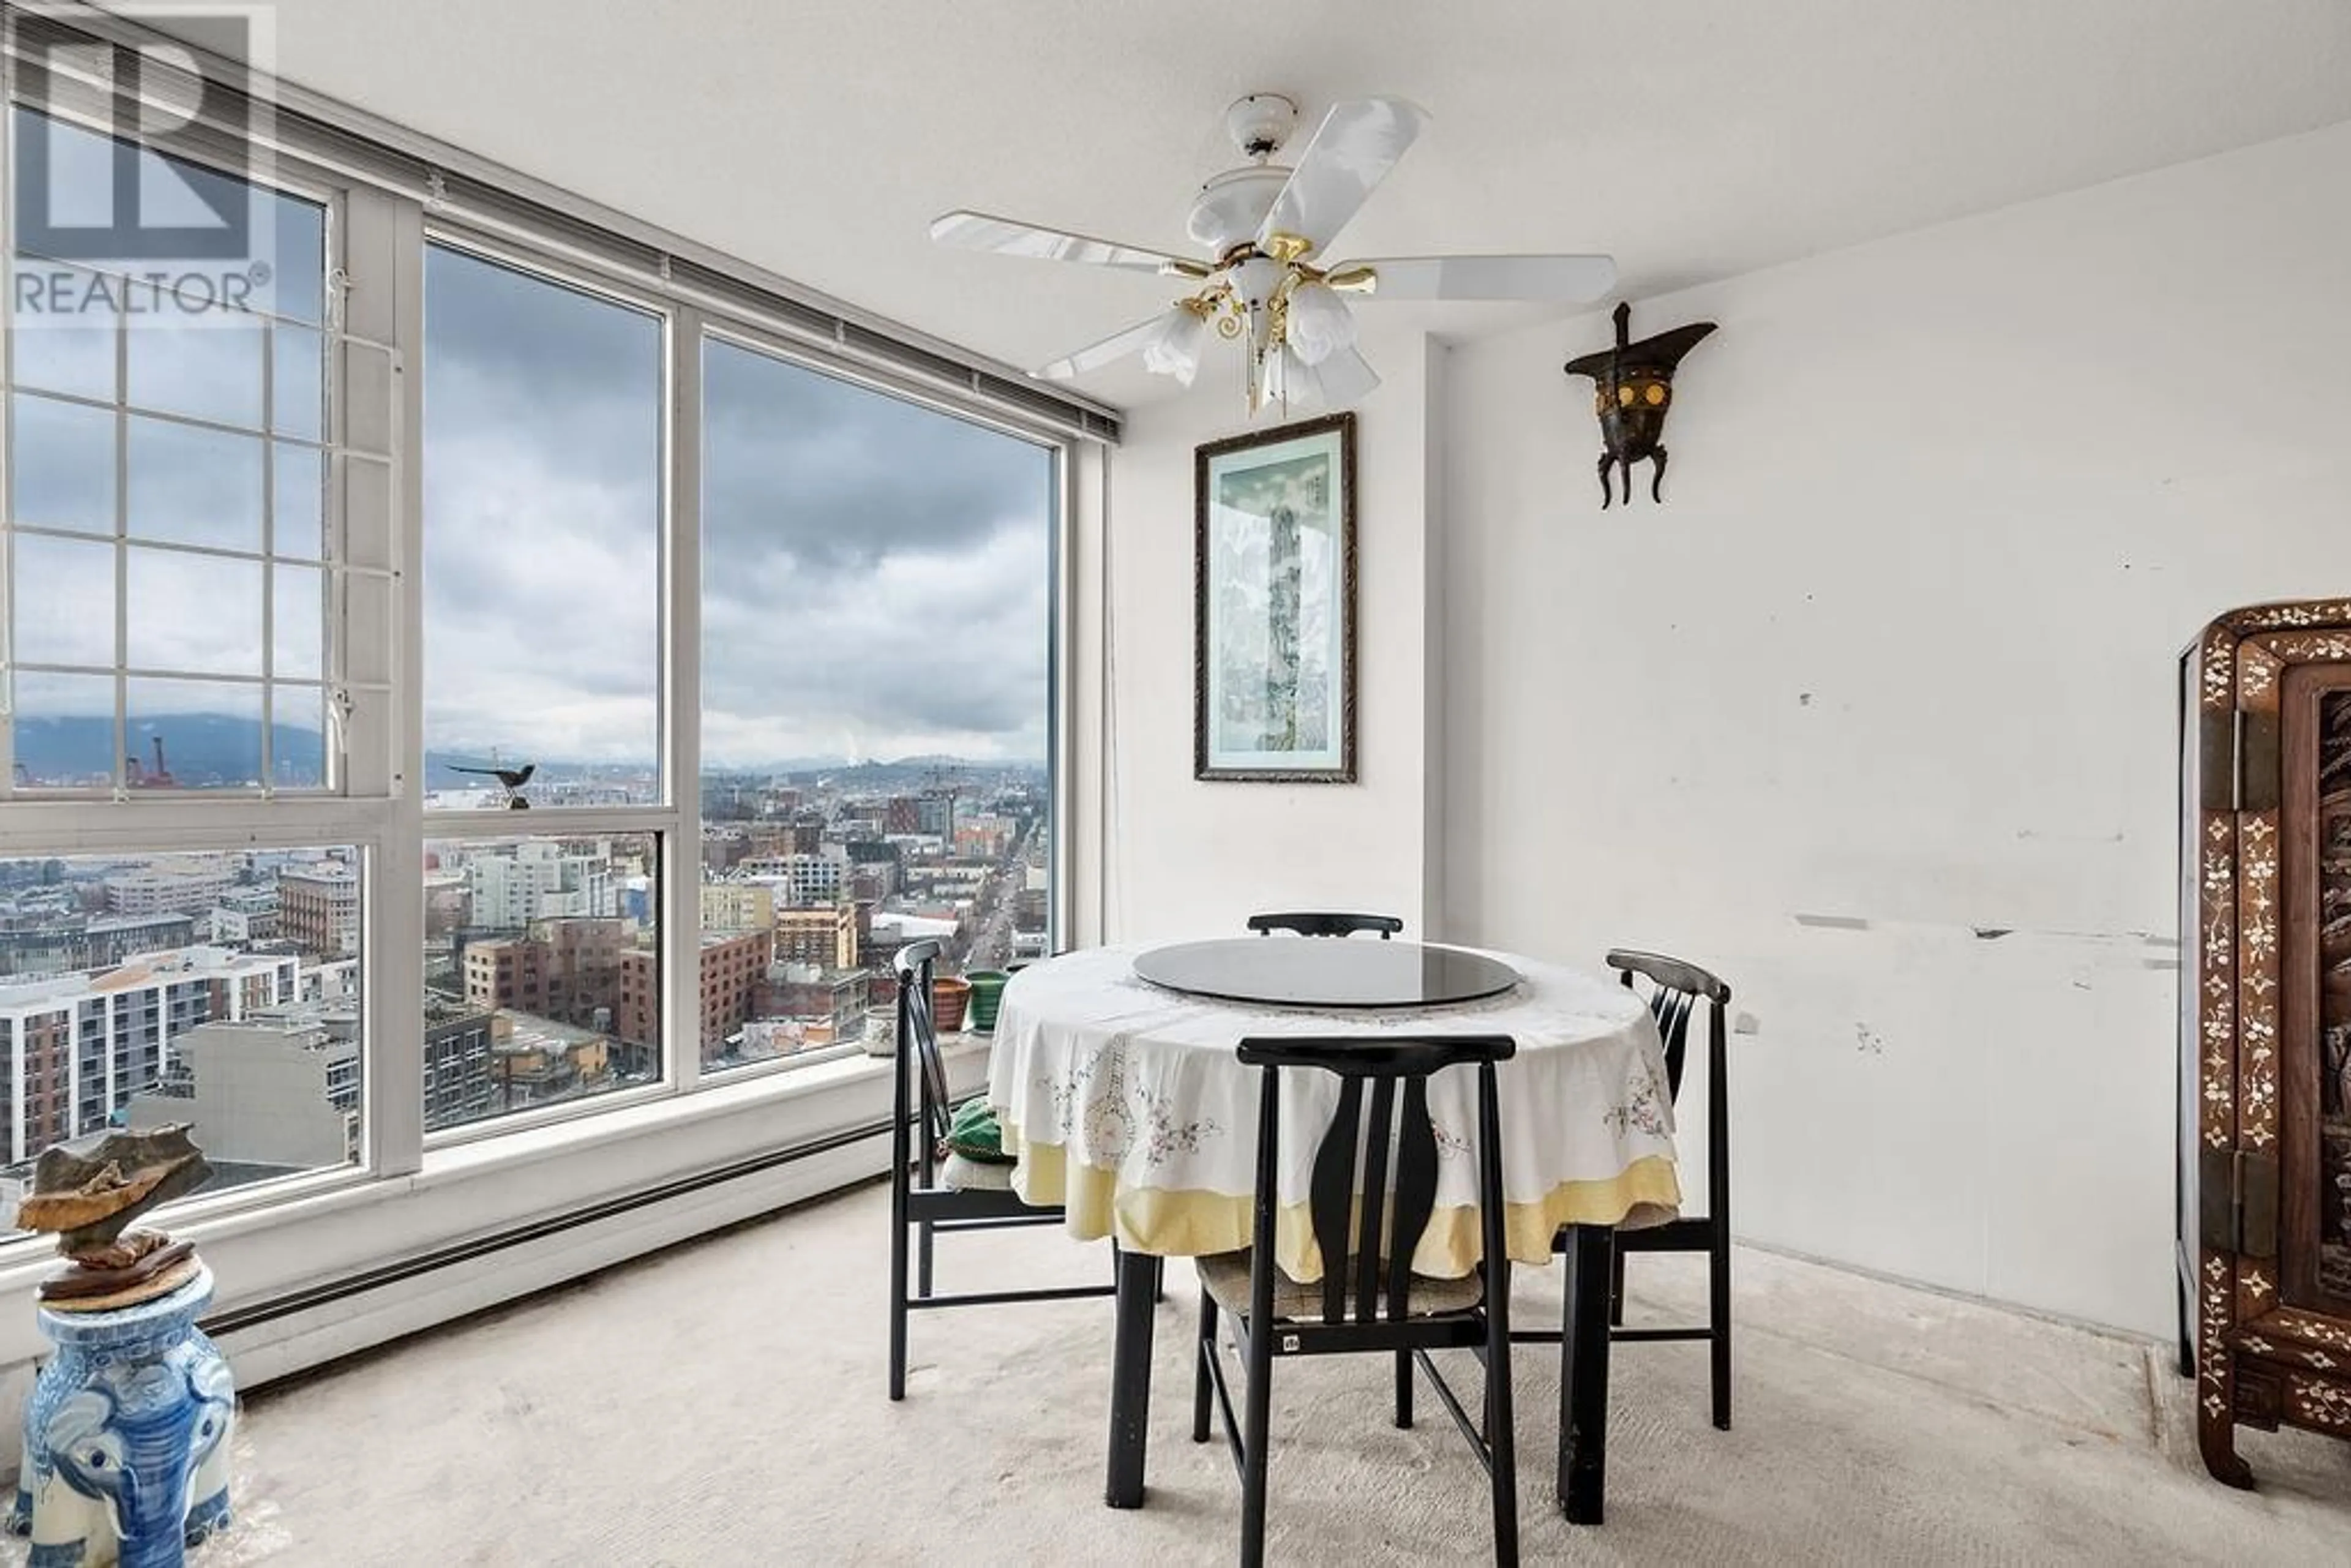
{"x": 1319, "y": 324}
{"x": 1289, "y": 381}
{"x": 1175, "y": 348}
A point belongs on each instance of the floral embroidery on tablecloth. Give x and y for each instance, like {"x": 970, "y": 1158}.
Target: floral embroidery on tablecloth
{"x": 1099, "y": 1101}
{"x": 1169, "y": 1137}
{"x": 1450, "y": 1144}
{"x": 1644, "y": 1109}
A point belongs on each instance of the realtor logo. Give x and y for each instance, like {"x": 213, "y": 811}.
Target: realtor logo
{"x": 136, "y": 188}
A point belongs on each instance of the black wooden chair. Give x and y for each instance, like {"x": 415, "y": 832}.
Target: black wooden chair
{"x": 932, "y": 1189}
{"x": 1324, "y": 923}
{"x": 1275, "y": 1316}
{"x": 1677, "y": 989}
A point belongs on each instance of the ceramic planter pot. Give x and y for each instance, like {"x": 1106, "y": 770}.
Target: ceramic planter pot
{"x": 987, "y": 991}
{"x": 948, "y": 997}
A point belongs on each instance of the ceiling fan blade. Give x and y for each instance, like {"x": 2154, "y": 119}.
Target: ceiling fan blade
{"x": 1007, "y": 236}
{"x": 1094, "y": 356}
{"x": 1569, "y": 279}
{"x": 1352, "y": 151}
{"x": 1347, "y": 376}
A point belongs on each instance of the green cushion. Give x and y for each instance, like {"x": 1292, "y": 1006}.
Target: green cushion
{"x": 974, "y": 1134}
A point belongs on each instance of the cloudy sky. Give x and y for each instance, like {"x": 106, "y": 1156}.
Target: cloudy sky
{"x": 875, "y": 575}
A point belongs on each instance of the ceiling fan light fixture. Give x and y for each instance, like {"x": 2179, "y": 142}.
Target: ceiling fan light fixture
{"x": 1255, "y": 280}
{"x": 1255, "y": 228}
{"x": 1173, "y": 348}
{"x": 1287, "y": 382}
{"x": 1318, "y": 322}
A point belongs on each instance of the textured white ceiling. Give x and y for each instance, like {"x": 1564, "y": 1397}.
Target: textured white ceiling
{"x": 1693, "y": 139}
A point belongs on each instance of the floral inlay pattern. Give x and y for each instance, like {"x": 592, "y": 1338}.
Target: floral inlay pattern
{"x": 2309, "y": 646}
{"x": 2257, "y": 982}
{"x": 2319, "y": 1403}
{"x": 2315, "y": 1330}
{"x": 2217, "y": 1013}
{"x": 2305, "y": 612}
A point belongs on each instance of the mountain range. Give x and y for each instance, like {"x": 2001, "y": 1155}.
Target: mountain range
{"x": 212, "y": 749}
{"x": 200, "y": 749}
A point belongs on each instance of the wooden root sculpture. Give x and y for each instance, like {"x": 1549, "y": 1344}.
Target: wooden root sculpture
{"x": 89, "y": 1190}
{"x": 1632, "y": 389}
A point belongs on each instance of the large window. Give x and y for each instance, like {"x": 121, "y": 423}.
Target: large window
{"x": 543, "y": 510}
{"x": 167, "y": 554}
{"x": 361, "y": 604}
{"x": 173, "y": 577}
{"x": 876, "y": 628}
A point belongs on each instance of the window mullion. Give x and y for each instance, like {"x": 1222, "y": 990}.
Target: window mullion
{"x": 680, "y": 867}
{"x": 383, "y": 241}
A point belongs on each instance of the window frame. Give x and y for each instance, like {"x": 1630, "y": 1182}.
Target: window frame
{"x": 386, "y": 202}
{"x": 356, "y": 706}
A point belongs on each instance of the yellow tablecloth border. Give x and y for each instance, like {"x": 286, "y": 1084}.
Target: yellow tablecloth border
{"x": 1192, "y": 1223}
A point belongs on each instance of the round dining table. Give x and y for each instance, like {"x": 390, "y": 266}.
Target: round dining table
{"x": 1124, "y": 1102}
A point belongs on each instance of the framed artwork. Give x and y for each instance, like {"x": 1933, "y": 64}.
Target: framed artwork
{"x": 1274, "y": 656}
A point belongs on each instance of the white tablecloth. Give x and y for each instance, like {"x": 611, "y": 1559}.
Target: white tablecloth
{"x": 1125, "y": 1102}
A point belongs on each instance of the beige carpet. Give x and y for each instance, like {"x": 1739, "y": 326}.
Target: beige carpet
{"x": 724, "y": 1404}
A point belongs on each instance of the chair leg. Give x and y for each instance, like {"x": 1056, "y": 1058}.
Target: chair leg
{"x": 1584, "y": 1376}
{"x": 1502, "y": 1446}
{"x": 923, "y": 1257}
{"x": 1403, "y": 1388}
{"x": 1616, "y": 1291}
{"x": 1203, "y": 1389}
{"x": 1257, "y": 1424}
{"x": 897, "y": 1308}
{"x": 1158, "y": 1281}
{"x": 1719, "y": 1281}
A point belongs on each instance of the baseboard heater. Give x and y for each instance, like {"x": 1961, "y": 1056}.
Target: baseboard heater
{"x": 350, "y": 1285}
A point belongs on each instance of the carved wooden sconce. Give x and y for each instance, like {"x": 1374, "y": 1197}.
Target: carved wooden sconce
{"x": 1633, "y": 388}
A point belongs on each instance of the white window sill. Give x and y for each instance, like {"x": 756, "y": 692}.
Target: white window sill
{"x": 352, "y": 1222}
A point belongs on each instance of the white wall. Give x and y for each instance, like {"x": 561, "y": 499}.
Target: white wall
{"x": 1187, "y": 858}
{"x": 1895, "y": 664}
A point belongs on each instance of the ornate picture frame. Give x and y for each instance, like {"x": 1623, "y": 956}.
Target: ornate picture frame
{"x": 1273, "y": 677}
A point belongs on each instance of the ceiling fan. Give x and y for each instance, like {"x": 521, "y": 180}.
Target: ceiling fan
{"x": 1258, "y": 225}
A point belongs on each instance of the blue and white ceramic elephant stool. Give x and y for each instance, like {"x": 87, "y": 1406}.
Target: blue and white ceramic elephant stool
{"x": 126, "y": 1437}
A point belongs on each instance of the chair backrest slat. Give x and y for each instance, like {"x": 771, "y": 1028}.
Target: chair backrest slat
{"x": 1374, "y": 1186}
{"x": 918, "y": 1035}
{"x": 1324, "y": 923}
{"x": 1332, "y": 1192}
{"x": 1416, "y": 1182}
{"x": 1672, "y": 1010}
{"x": 1352, "y": 1163}
{"x": 1678, "y": 986}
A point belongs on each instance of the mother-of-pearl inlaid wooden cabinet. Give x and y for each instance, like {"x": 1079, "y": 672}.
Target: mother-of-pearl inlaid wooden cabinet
{"x": 2265, "y": 1024}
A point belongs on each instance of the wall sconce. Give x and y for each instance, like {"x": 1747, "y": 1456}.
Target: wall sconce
{"x": 1633, "y": 387}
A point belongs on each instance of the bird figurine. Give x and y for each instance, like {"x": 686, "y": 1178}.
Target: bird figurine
{"x": 513, "y": 778}
{"x": 1632, "y": 389}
